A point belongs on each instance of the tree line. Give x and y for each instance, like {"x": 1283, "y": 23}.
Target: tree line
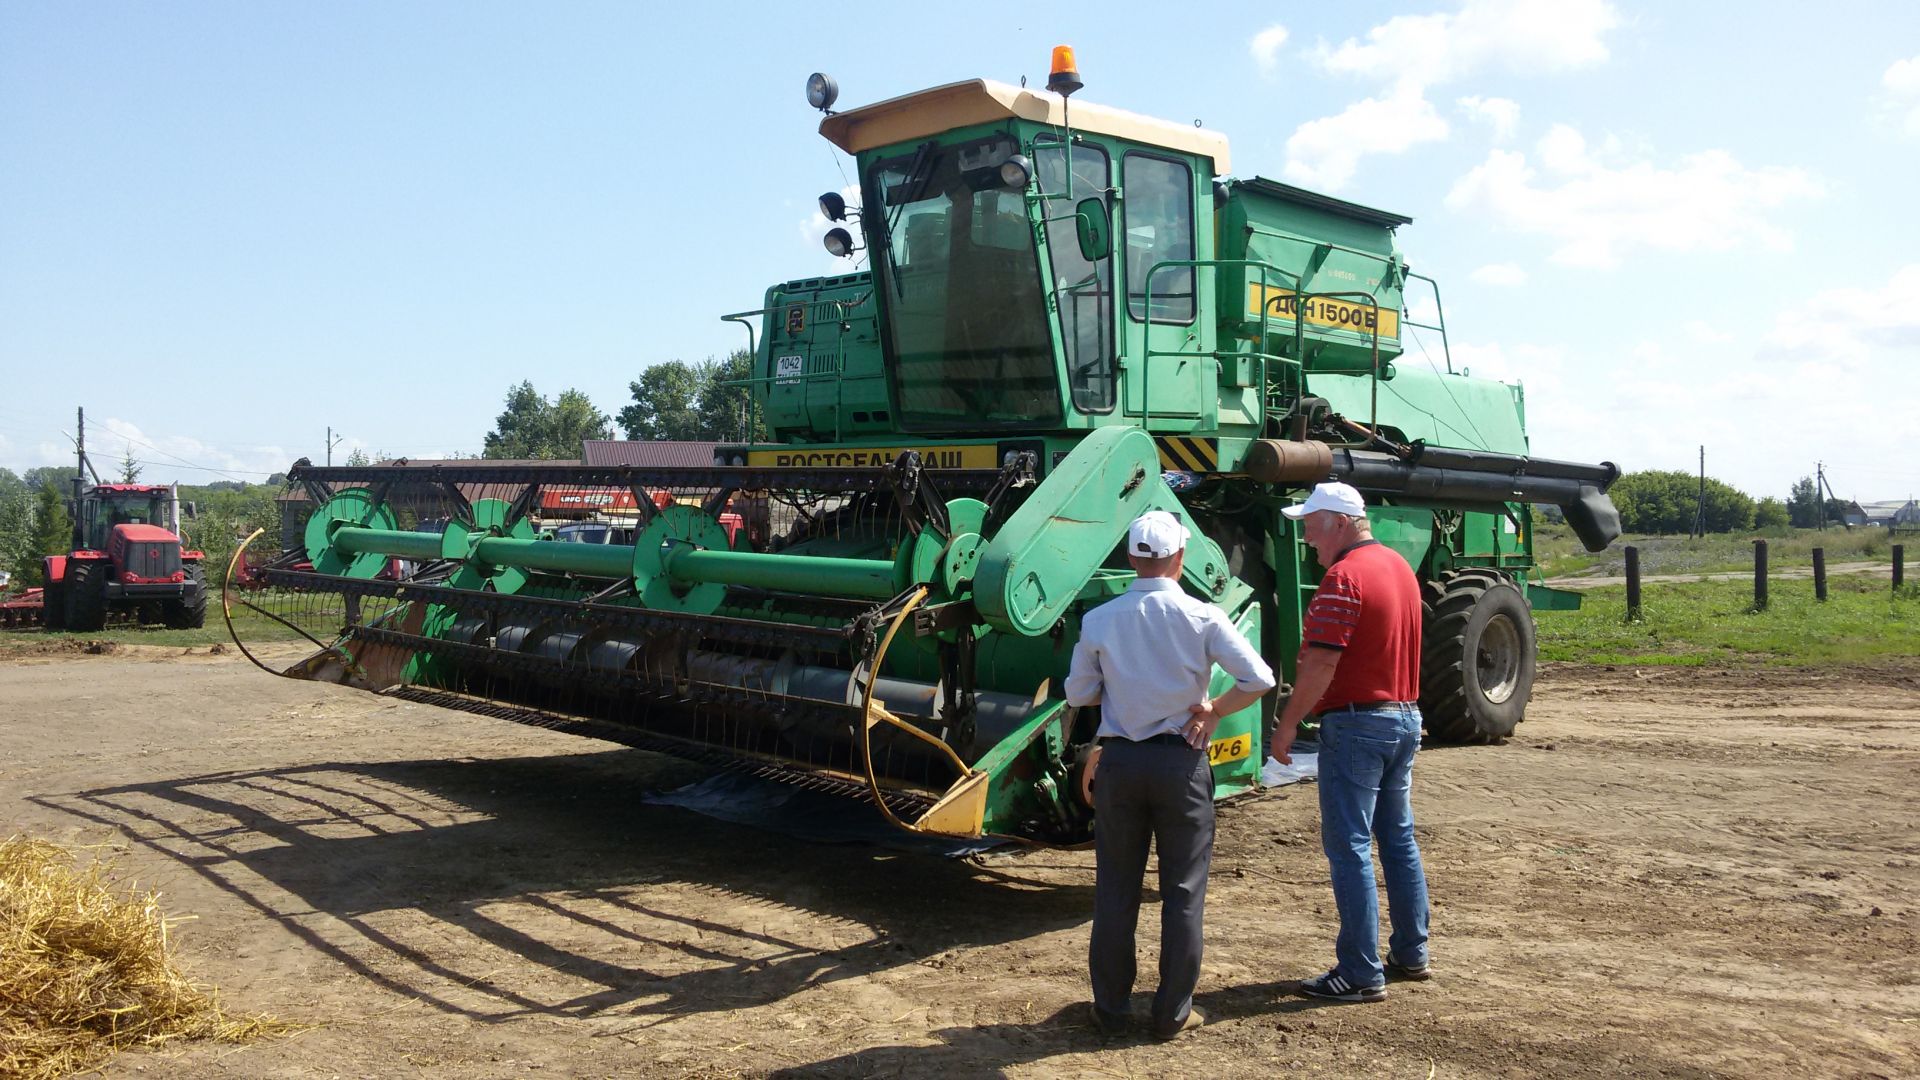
{"x": 1667, "y": 501}
{"x": 705, "y": 401}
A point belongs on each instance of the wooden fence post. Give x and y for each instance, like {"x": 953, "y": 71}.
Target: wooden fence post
{"x": 1899, "y": 564}
{"x": 1633, "y": 583}
{"x": 1819, "y": 573}
{"x": 1759, "y": 575}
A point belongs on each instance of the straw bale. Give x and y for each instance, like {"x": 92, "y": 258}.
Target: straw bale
{"x": 87, "y": 969}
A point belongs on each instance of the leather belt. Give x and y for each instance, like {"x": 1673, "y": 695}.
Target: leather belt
{"x": 1165, "y": 738}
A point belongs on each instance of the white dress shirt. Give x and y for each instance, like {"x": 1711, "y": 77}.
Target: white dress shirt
{"x": 1148, "y": 654}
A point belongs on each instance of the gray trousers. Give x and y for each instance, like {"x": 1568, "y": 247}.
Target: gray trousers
{"x": 1150, "y": 792}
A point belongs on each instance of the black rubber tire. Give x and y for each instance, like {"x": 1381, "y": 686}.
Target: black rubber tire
{"x": 188, "y": 614}
{"x": 53, "y": 609}
{"x": 1478, "y": 658}
{"x": 86, "y": 596}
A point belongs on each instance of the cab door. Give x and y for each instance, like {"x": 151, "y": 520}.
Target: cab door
{"x": 1169, "y": 372}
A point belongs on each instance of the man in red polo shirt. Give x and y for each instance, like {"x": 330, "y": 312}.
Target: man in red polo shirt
{"x": 1359, "y": 672}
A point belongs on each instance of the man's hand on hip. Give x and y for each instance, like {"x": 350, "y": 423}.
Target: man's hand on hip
{"x": 1201, "y": 720}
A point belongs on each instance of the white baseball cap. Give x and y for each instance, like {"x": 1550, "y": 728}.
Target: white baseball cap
{"x": 1332, "y": 495}
{"x": 1156, "y": 534}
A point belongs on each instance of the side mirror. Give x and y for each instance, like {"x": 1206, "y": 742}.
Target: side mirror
{"x": 1091, "y": 226}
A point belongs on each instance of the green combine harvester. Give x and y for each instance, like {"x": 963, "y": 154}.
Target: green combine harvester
{"x": 1061, "y": 317}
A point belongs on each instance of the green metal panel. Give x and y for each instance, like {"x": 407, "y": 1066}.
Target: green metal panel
{"x": 1445, "y": 410}
{"x": 819, "y": 372}
{"x": 1406, "y": 529}
{"x": 1340, "y": 255}
{"x": 1542, "y": 598}
{"x": 1035, "y": 565}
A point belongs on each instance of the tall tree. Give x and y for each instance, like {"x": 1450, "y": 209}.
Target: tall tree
{"x": 52, "y": 532}
{"x": 532, "y": 427}
{"x": 572, "y": 420}
{"x": 726, "y": 403}
{"x": 1803, "y": 504}
{"x": 1665, "y": 501}
{"x": 16, "y": 522}
{"x": 665, "y": 403}
{"x": 1770, "y": 513}
{"x": 129, "y": 468}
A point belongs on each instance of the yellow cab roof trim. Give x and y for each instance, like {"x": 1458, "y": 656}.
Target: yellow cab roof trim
{"x": 983, "y": 101}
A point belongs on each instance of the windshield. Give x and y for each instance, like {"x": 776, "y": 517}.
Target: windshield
{"x": 962, "y": 290}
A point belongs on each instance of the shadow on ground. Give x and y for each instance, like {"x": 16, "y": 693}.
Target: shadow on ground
{"x": 496, "y": 889}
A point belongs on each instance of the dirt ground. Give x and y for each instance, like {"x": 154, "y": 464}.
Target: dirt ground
{"x": 1669, "y": 873}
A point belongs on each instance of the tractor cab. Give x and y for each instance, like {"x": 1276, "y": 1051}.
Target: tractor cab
{"x": 107, "y": 506}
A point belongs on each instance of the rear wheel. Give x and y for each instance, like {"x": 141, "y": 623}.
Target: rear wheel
{"x": 86, "y": 596}
{"x": 188, "y": 614}
{"x": 1477, "y": 663}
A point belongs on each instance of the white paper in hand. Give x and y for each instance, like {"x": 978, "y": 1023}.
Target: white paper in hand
{"x": 1305, "y": 767}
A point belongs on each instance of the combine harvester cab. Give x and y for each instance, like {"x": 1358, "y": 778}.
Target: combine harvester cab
{"x": 959, "y": 435}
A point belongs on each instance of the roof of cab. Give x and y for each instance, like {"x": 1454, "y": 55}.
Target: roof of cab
{"x": 983, "y": 101}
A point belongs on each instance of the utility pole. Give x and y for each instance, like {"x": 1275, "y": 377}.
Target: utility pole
{"x": 1700, "y": 501}
{"x": 1819, "y": 492}
{"x": 331, "y": 443}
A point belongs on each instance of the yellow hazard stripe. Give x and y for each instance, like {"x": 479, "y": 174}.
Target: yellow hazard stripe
{"x": 1189, "y": 454}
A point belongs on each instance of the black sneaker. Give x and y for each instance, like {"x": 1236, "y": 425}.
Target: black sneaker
{"x": 1408, "y": 972}
{"x": 1334, "y": 986}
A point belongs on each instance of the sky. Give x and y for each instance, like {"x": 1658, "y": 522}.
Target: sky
{"x": 227, "y": 227}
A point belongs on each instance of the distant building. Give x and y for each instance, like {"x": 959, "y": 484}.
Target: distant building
{"x": 1892, "y": 513}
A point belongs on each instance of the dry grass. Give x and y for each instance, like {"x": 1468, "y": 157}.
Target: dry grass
{"x": 86, "y": 972}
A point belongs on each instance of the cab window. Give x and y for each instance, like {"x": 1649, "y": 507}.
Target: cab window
{"x": 1159, "y": 228}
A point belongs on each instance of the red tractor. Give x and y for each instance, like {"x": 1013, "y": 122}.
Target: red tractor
{"x": 127, "y": 557}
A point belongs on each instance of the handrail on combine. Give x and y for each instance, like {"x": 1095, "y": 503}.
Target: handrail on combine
{"x": 842, "y": 310}
{"x": 1293, "y": 363}
{"x": 1149, "y": 355}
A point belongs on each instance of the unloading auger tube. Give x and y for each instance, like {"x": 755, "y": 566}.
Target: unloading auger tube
{"x": 1436, "y": 476}
{"x": 891, "y": 633}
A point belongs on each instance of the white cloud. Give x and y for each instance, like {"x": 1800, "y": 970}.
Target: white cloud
{"x": 1501, "y": 114}
{"x": 1265, "y": 47}
{"x": 1902, "y": 82}
{"x": 1704, "y": 332}
{"x": 1838, "y": 369}
{"x": 168, "y": 458}
{"x": 1323, "y": 153}
{"x": 1855, "y": 328}
{"x": 1411, "y": 53}
{"x": 1525, "y": 36}
{"x": 1597, "y": 212}
{"x": 1903, "y": 77}
{"x": 1500, "y": 274}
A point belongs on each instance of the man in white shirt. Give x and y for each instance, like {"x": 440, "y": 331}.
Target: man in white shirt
{"x": 1146, "y": 658}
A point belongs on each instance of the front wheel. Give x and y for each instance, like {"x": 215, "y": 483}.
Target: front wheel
{"x": 53, "y": 606}
{"x": 1477, "y": 663}
{"x": 86, "y": 596}
{"x": 188, "y": 614}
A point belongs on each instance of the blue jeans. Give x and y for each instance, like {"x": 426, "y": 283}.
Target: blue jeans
{"x": 1366, "y": 789}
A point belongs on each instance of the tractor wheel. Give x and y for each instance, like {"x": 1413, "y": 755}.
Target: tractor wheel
{"x": 53, "y": 607}
{"x": 188, "y": 614}
{"x": 1477, "y": 663}
{"x": 86, "y": 596}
